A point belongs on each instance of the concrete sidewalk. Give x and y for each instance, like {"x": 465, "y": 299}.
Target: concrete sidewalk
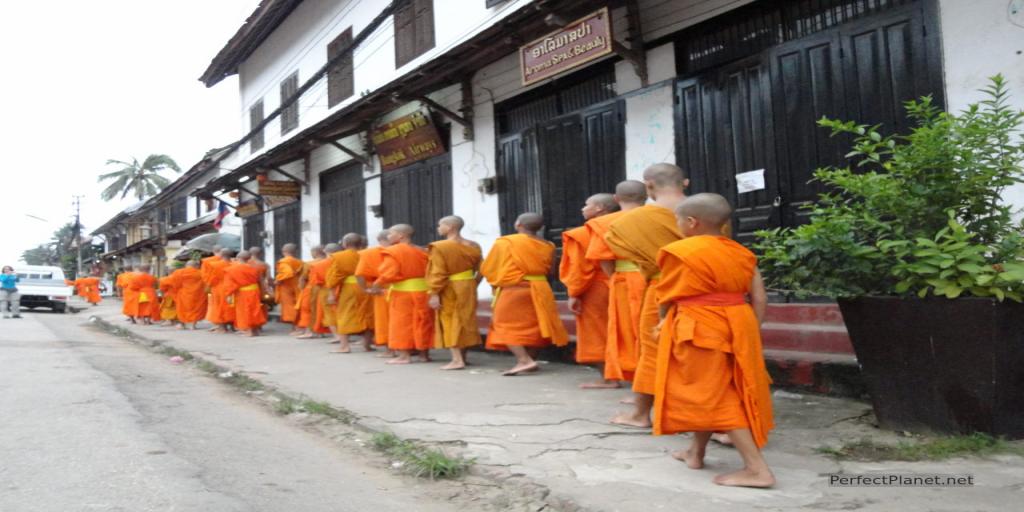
{"x": 545, "y": 428}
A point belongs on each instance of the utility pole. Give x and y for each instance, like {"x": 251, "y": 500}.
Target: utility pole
{"x": 78, "y": 233}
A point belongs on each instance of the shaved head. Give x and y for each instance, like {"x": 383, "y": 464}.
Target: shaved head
{"x": 604, "y": 201}
{"x": 227, "y": 253}
{"x": 144, "y": 268}
{"x": 192, "y": 264}
{"x": 332, "y": 248}
{"x": 351, "y": 241}
{"x": 382, "y": 237}
{"x": 289, "y": 249}
{"x": 454, "y": 221}
{"x": 244, "y": 256}
{"x": 665, "y": 175}
{"x": 255, "y": 252}
{"x": 216, "y": 249}
{"x": 631, "y": 191}
{"x": 712, "y": 210}
{"x": 403, "y": 229}
{"x": 531, "y": 221}
{"x": 317, "y": 250}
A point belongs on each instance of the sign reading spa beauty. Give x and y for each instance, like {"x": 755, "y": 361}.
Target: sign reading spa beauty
{"x": 581, "y": 41}
{"x": 406, "y": 140}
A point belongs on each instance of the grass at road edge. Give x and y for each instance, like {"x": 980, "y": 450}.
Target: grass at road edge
{"x": 937, "y": 448}
{"x": 419, "y": 460}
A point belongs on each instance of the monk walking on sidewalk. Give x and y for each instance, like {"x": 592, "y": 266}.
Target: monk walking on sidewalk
{"x": 525, "y": 314}
{"x": 366, "y": 273}
{"x": 452, "y": 276}
{"x": 351, "y": 305}
{"x": 243, "y": 284}
{"x": 191, "y": 295}
{"x": 410, "y": 320}
{"x": 286, "y": 289}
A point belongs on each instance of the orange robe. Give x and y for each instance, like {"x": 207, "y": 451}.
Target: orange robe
{"x": 710, "y": 372}
{"x": 451, "y": 275}
{"x": 218, "y": 310}
{"x": 410, "y": 319}
{"x": 353, "y": 308}
{"x": 143, "y": 286}
{"x": 625, "y": 298}
{"x": 369, "y": 269}
{"x": 636, "y": 236}
{"x": 89, "y": 289}
{"x": 242, "y": 283}
{"x": 190, "y": 297}
{"x": 525, "y": 312}
{"x": 169, "y": 303}
{"x": 130, "y": 300}
{"x": 286, "y": 289}
{"x": 585, "y": 281}
{"x": 320, "y": 317}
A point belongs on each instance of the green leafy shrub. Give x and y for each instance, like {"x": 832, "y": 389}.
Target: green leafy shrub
{"x": 921, "y": 213}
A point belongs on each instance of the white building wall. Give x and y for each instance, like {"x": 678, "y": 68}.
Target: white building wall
{"x": 980, "y": 39}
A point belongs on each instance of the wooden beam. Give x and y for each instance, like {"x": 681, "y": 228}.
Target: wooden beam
{"x": 635, "y": 54}
{"x": 356, "y": 156}
{"x": 288, "y": 174}
{"x": 467, "y": 124}
{"x": 634, "y": 57}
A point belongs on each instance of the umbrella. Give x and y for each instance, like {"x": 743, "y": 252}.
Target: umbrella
{"x": 206, "y": 242}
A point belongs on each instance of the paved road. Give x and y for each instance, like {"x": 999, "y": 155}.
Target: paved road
{"x": 90, "y": 422}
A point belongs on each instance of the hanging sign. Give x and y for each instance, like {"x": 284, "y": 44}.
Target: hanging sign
{"x": 406, "y": 140}
{"x": 248, "y": 209}
{"x": 580, "y": 42}
{"x": 279, "y": 193}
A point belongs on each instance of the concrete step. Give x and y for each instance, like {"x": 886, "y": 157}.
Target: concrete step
{"x": 827, "y": 374}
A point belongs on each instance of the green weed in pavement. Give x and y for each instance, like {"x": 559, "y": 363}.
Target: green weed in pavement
{"x": 938, "y": 448}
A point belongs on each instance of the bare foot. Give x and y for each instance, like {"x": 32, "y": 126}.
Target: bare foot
{"x": 453, "y": 366}
{"x": 631, "y": 420}
{"x": 220, "y": 330}
{"x": 722, "y": 439}
{"x": 333, "y": 341}
{"x": 521, "y": 368}
{"x": 307, "y": 336}
{"x": 425, "y": 357}
{"x": 398, "y": 360}
{"x": 369, "y": 348}
{"x": 248, "y": 335}
{"x": 343, "y": 350}
{"x": 601, "y": 384}
{"x": 180, "y": 327}
{"x": 295, "y": 333}
{"x": 387, "y": 355}
{"x": 747, "y": 478}
{"x": 628, "y": 400}
{"x": 691, "y": 457}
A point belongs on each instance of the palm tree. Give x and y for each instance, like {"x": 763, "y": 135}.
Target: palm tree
{"x": 141, "y": 180}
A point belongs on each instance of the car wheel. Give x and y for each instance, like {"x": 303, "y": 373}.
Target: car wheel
{"x": 59, "y": 308}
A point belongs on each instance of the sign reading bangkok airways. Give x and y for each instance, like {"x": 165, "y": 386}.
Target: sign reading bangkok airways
{"x": 580, "y": 42}
{"x": 406, "y": 140}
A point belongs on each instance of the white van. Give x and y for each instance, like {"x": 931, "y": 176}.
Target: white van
{"x": 43, "y": 287}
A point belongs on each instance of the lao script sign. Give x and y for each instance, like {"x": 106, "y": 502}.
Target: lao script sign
{"x": 406, "y": 140}
{"x": 580, "y": 42}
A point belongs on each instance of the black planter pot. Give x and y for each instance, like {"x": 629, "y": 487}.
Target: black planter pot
{"x": 939, "y": 365}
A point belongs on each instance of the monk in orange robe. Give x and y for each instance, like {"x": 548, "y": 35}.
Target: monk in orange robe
{"x": 130, "y": 301}
{"x": 243, "y": 285}
{"x": 286, "y": 286}
{"x": 143, "y": 285}
{"x": 710, "y": 370}
{"x": 452, "y": 278}
{"x": 219, "y": 312}
{"x": 89, "y": 289}
{"x": 587, "y": 286}
{"x": 306, "y": 304}
{"x": 320, "y": 318}
{"x": 403, "y": 270}
{"x": 256, "y": 260}
{"x": 366, "y": 273}
{"x": 626, "y": 286}
{"x": 190, "y": 297}
{"x": 353, "y": 307}
{"x": 637, "y": 236}
{"x": 168, "y": 303}
{"x": 525, "y": 314}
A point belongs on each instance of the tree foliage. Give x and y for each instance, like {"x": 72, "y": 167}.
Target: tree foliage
{"x": 141, "y": 180}
{"x": 920, "y": 213}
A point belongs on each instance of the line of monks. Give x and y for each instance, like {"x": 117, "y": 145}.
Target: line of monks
{"x": 663, "y": 299}
{"x": 88, "y": 288}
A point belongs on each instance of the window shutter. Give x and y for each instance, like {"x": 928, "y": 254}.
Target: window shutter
{"x": 340, "y": 79}
{"x": 290, "y": 115}
{"x": 424, "y": 24}
{"x": 255, "y": 118}
{"x": 405, "y": 36}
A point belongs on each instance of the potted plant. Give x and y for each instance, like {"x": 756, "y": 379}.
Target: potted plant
{"x": 926, "y": 259}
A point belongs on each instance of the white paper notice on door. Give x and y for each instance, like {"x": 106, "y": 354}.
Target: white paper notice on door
{"x": 750, "y": 181}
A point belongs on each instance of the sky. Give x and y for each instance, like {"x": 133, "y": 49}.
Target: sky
{"x": 88, "y": 81}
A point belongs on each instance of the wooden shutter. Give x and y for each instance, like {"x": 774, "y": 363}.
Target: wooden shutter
{"x": 414, "y": 30}
{"x": 340, "y": 79}
{"x": 290, "y": 114}
{"x": 255, "y": 118}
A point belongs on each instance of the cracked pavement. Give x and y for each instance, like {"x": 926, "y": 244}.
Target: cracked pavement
{"x": 544, "y": 428}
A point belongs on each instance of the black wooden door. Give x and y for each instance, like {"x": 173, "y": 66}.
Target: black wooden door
{"x": 419, "y": 195}
{"x": 288, "y": 227}
{"x": 253, "y": 231}
{"x": 519, "y": 177}
{"x": 342, "y": 202}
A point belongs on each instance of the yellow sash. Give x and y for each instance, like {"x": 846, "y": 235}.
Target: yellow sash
{"x": 249, "y": 288}
{"x": 351, "y": 280}
{"x": 143, "y": 297}
{"x": 415, "y": 284}
{"x": 467, "y": 275}
{"x": 626, "y": 266}
{"x": 531, "y": 277}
